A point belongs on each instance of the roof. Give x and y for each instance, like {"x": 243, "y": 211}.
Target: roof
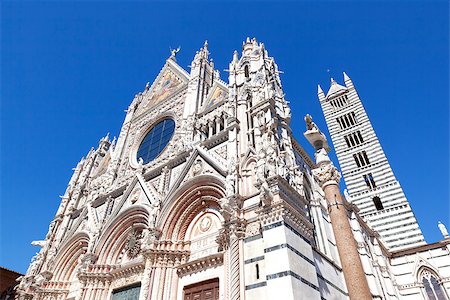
{"x": 335, "y": 88}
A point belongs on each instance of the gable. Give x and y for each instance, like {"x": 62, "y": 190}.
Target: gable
{"x": 200, "y": 162}
{"x": 138, "y": 192}
{"x": 217, "y": 94}
{"x": 169, "y": 82}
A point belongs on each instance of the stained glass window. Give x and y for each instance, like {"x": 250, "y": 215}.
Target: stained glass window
{"x": 156, "y": 140}
{"x": 433, "y": 289}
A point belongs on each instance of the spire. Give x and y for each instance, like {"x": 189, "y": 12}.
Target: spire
{"x": 345, "y": 76}
{"x": 319, "y": 90}
{"x": 348, "y": 82}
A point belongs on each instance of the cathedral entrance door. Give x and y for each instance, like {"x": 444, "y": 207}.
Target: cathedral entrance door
{"x": 205, "y": 290}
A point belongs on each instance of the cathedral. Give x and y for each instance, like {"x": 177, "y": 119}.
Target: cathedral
{"x": 206, "y": 194}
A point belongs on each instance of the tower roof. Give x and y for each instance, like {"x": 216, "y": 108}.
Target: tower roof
{"x": 335, "y": 88}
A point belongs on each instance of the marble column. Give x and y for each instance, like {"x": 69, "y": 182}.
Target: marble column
{"x": 328, "y": 177}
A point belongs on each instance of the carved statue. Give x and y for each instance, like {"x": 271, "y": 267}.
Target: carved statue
{"x": 443, "y": 230}
{"x": 173, "y": 52}
{"x": 230, "y": 185}
{"x": 310, "y": 125}
{"x": 35, "y": 262}
{"x": 154, "y": 214}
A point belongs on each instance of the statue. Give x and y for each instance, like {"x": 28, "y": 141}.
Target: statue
{"x": 230, "y": 185}
{"x": 310, "y": 125}
{"x": 173, "y": 53}
{"x": 443, "y": 230}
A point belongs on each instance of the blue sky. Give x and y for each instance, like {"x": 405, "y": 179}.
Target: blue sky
{"x": 69, "y": 69}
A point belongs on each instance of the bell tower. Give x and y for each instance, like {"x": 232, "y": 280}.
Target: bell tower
{"x": 370, "y": 180}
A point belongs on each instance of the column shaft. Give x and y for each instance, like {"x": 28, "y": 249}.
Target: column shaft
{"x": 352, "y": 268}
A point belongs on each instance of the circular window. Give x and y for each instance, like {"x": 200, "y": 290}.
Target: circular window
{"x": 156, "y": 140}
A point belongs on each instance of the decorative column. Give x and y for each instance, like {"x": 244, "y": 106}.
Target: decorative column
{"x": 328, "y": 177}
{"x": 145, "y": 285}
{"x": 230, "y": 240}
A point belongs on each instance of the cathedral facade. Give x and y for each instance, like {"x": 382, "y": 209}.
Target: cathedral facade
{"x": 206, "y": 194}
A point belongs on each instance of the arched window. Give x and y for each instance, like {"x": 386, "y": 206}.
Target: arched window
{"x": 433, "y": 289}
{"x": 247, "y": 73}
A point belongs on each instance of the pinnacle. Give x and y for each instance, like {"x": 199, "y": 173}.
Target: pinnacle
{"x": 346, "y": 76}
{"x": 319, "y": 89}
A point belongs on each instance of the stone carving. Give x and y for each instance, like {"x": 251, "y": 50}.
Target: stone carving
{"x": 326, "y": 172}
{"x": 197, "y": 167}
{"x": 253, "y": 229}
{"x": 443, "y": 230}
{"x": 133, "y": 244}
{"x": 310, "y": 125}
{"x": 205, "y": 223}
{"x": 173, "y": 53}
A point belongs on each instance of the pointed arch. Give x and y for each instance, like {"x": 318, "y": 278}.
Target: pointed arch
{"x": 432, "y": 284}
{"x": 248, "y": 168}
{"x": 67, "y": 259}
{"x": 116, "y": 233}
{"x": 197, "y": 194}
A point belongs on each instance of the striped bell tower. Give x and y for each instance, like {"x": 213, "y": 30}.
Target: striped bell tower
{"x": 370, "y": 181}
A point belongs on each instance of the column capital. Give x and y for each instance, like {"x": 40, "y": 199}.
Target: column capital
{"x": 327, "y": 174}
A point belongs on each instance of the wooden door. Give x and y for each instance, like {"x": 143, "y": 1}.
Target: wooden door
{"x": 205, "y": 290}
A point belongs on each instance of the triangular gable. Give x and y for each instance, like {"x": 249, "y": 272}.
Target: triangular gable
{"x": 202, "y": 155}
{"x": 217, "y": 94}
{"x": 422, "y": 262}
{"x": 170, "y": 80}
{"x": 137, "y": 192}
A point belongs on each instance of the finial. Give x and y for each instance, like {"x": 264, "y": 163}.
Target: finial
{"x": 205, "y": 45}
{"x": 247, "y": 40}
{"x": 147, "y": 86}
{"x": 332, "y": 80}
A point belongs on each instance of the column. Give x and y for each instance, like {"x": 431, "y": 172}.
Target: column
{"x": 236, "y": 234}
{"x": 145, "y": 284}
{"x": 328, "y": 178}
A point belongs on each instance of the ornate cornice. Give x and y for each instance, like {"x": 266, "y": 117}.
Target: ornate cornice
{"x": 200, "y": 264}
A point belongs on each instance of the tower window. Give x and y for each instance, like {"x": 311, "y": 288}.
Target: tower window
{"x": 347, "y": 120}
{"x": 354, "y": 139}
{"x": 361, "y": 159}
{"x": 377, "y": 201}
{"x": 339, "y": 102}
{"x": 370, "y": 182}
{"x": 246, "y": 71}
{"x": 257, "y": 271}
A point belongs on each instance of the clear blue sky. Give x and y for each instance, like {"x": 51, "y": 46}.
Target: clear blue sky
{"x": 69, "y": 69}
